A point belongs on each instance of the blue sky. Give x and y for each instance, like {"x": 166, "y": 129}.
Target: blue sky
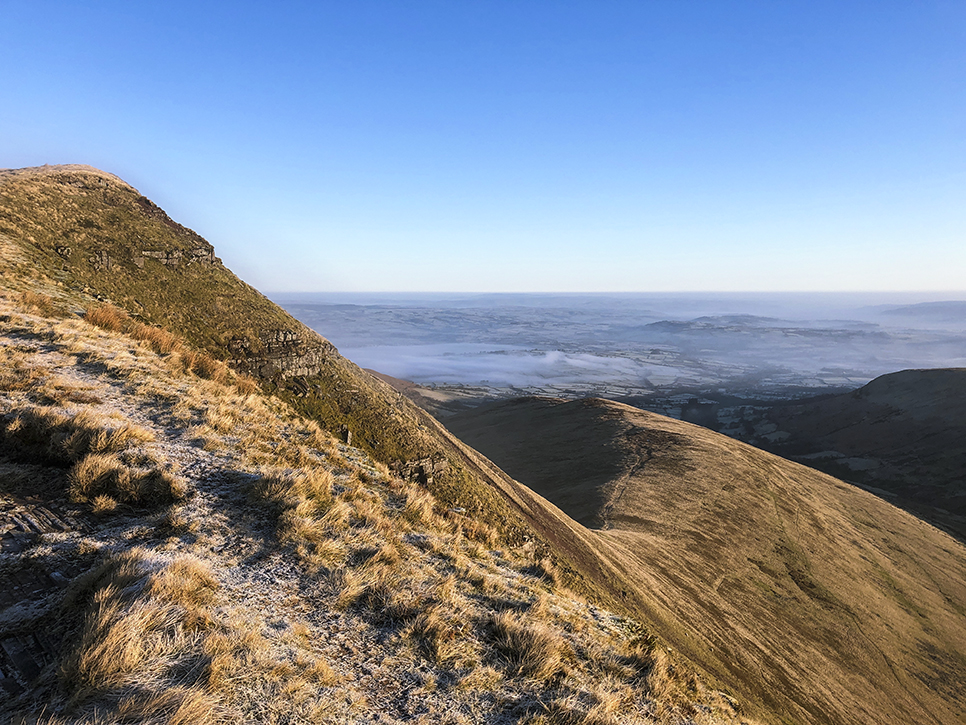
{"x": 518, "y": 146}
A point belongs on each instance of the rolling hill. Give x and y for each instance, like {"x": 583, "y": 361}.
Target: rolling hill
{"x": 805, "y": 588}
{"x": 901, "y": 434}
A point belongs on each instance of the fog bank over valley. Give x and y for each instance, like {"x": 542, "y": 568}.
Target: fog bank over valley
{"x": 753, "y": 345}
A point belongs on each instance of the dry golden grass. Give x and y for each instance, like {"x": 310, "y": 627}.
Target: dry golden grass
{"x": 143, "y": 624}
{"x": 160, "y": 340}
{"x": 45, "y": 433}
{"x": 245, "y": 384}
{"x": 157, "y": 646}
{"x": 484, "y": 678}
{"x": 59, "y": 391}
{"x": 442, "y": 635}
{"x": 102, "y": 505}
{"x": 207, "y": 367}
{"x": 530, "y": 648}
{"x": 108, "y": 317}
{"x": 37, "y": 303}
{"x": 418, "y": 508}
{"x": 755, "y": 611}
{"x": 18, "y": 372}
{"x": 290, "y": 488}
{"x": 185, "y": 581}
{"x": 202, "y": 364}
{"x": 100, "y": 476}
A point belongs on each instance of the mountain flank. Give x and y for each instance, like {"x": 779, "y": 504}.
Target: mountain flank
{"x": 758, "y": 568}
{"x": 901, "y": 434}
{"x": 85, "y": 231}
{"x": 177, "y": 549}
{"x": 73, "y": 243}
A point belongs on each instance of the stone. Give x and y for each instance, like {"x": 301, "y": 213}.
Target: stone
{"x": 101, "y": 260}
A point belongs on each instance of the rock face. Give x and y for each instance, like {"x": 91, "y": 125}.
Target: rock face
{"x": 201, "y": 255}
{"x": 422, "y": 471}
{"x": 282, "y": 354}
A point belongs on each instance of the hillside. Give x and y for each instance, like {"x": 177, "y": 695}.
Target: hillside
{"x": 901, "y": 434}
{"x": 73, "y": 237}
{"x": 69, "y": 230}
{"x": 175, "y": 549}
{"x": 760, "y": 569}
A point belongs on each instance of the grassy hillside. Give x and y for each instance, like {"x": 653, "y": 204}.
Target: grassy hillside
{"x": 830, "y": 604}
{"x": 73, "y": 237}
{"x": 175, "y": 549}
{"x": 76, "y": 236}
{"x": 902, "y": 434}
{"x": 77, "y": 232}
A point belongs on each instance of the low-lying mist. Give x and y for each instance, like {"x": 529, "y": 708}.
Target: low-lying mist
{"x": 630, "y": 344}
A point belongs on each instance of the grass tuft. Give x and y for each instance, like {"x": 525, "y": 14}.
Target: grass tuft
{"x": 45, "y": 434}
{"x": 144, "y": 626}
{"x": 37, "y": 303}
{"x": 103, "y": 476}
{"x": 531, "y": 649}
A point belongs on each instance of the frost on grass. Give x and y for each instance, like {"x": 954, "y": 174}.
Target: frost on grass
{"x": 235, "y": 563}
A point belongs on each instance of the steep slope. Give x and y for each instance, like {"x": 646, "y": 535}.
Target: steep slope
{"x": 86, "y": 231}
{"x": 902, "y": 433}
{"x": 75, "y": 234}
{"x": 176, "y": 550}
{"x": 830, "y": 604}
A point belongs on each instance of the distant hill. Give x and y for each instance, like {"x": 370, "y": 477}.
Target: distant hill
{"x": 902, "y": 433}
{"x": 951, "y": 311}
{"x": 831, "y": 604}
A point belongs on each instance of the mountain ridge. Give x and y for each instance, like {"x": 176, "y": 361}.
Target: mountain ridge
{"x": 900, "y": 434}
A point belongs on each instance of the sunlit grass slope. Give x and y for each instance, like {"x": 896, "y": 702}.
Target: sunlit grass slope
{"x": 902, "y": 434}
{"x": 73, "y": 239}
{"x": 828, "y": 603}
{"x": 75, "y": 230}
{"x": 178, "y": 548}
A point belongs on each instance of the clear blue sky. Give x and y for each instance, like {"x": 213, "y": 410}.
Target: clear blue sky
{"x": 518, "y": 145}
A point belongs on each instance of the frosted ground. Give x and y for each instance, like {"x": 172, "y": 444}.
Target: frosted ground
{"x": 756, "y": 346}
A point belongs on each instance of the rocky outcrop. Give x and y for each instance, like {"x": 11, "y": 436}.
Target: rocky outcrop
{"x": 423, "y": 471}
{"x": 100, "y": 259}
{"x": 280, "y": 354}
{"x": 176, "y": 257}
